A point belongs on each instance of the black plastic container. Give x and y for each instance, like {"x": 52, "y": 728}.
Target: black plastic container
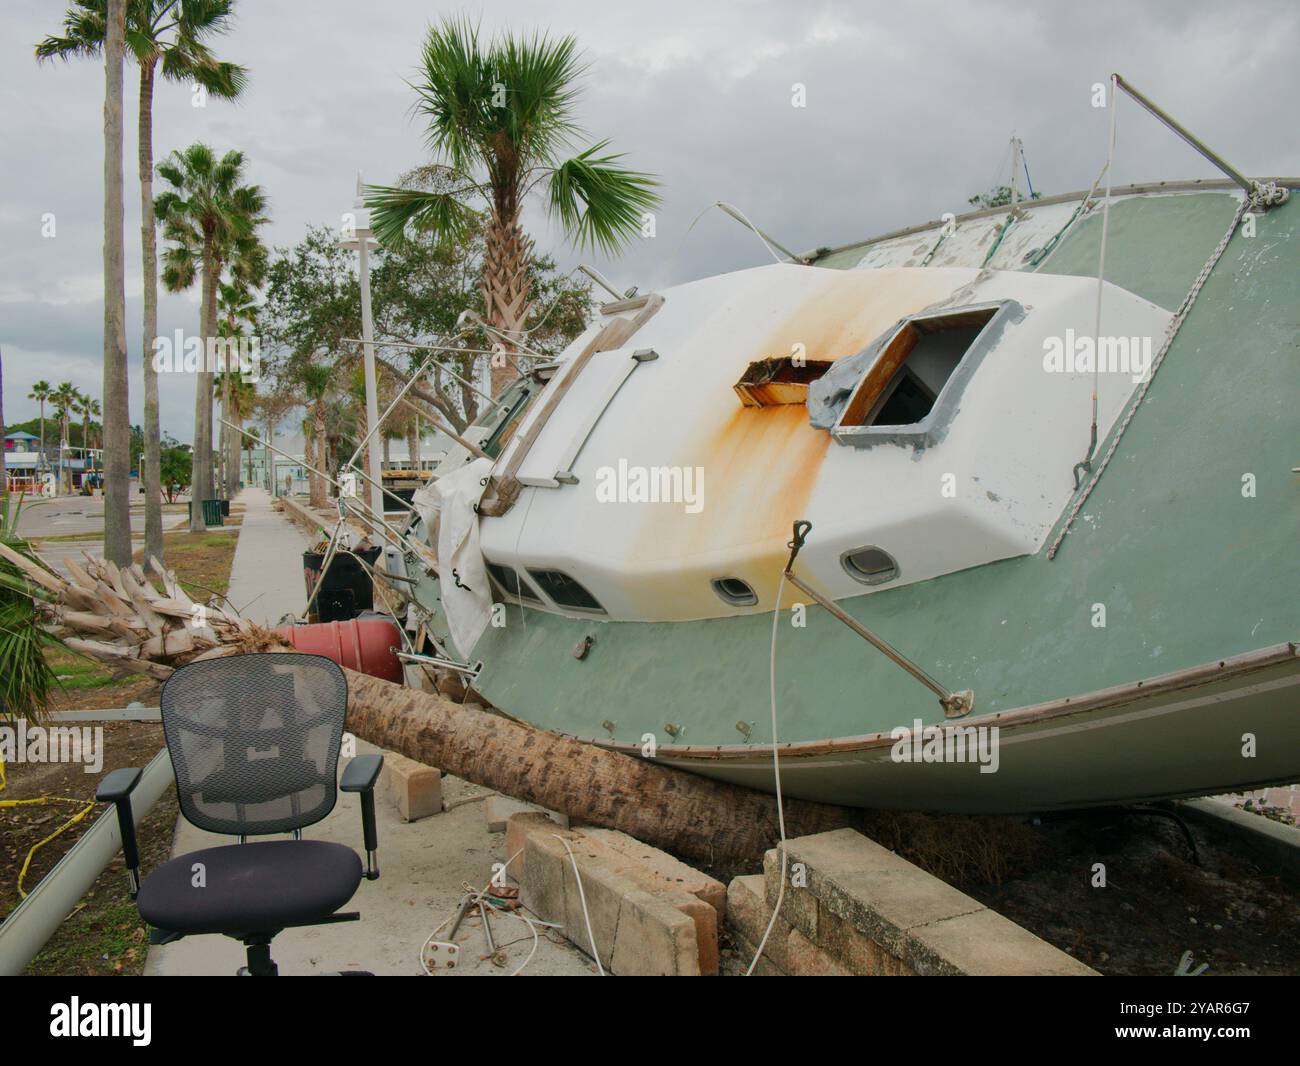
{"x": 345, "y": 588}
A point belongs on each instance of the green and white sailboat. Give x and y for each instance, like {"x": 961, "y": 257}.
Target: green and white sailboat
{"x": 1125, "y": 613}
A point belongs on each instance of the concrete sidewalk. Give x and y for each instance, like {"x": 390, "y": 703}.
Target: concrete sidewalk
{"x": 266, "y": 580}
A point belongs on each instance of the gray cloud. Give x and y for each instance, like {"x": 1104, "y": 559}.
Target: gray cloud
{"x": 909, "y": 109}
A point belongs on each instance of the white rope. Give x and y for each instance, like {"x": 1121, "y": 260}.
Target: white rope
{"x": 582, "y": 897}
{"x": 776, "y": 773}
{"x": 1171, "y": 331}
{"x": 1101, "y": 267}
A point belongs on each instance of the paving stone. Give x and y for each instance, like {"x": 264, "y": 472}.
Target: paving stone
{"x": 654, "y": 939}
{"x": 415, "y": 789}
{"x": 985, "y": 944}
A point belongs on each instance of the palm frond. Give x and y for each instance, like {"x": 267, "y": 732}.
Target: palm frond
{"x": 444, "y": 215}
{"x": 598, "y": 202}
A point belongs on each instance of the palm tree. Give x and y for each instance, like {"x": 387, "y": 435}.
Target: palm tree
{"x": 64, "y": 398}
{"x": 237, "y": 306}
{"x": 238, "y": 394}
{"x": 41, "y": 393}
{"x": 205, "y": 213}
{"x": 501, "y": 120}
{"x": 162, "y": 36}
{"x": 115, "y": 388}
{"x": 317, "y": 381}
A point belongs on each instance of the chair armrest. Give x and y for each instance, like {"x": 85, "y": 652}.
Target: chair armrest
{"x": 116, "y": 788}
{"x": 118, "y": 785}
{"x": 360, "y": 775}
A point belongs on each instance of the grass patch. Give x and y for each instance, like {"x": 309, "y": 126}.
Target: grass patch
{"x": 201, "y": 561}
{"x": 77, "y": 672}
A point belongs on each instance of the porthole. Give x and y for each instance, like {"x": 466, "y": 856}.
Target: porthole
{"x": 734, "y": 591}
{"x": 564, "y": 591}
{"x": 870, "y": 565}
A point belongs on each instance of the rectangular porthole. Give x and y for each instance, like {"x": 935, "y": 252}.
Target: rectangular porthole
{"x": 564, "y": 591}
{"x": 779, "y": 380}
{"x": 902, "y": 385}
{"x": 507, "y": 579}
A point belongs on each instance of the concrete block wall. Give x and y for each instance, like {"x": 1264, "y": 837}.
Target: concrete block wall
{"x": 852, "y": 907}
{"x": 650, "y": 914}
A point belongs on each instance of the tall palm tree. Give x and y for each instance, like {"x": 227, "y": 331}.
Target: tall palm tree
{"x": 237, "y": 307}
{"x": 501, "y": 122}
{"x": 238, "y": 394}
{"x": 317, "y": 381}
{"x": 115, "y": 388}
{"x": 41, "y": 393}
{"x": 64, "y": 399}
{"x": 162, "y": 36}
{"x": 205, "y": 213}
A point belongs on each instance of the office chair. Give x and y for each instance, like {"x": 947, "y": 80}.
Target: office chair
{"x": 254, "y": 741}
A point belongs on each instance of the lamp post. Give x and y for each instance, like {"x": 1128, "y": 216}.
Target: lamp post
{"x": 357, "y": 235}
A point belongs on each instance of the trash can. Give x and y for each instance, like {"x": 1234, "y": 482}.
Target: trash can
{"x": 345, "y": 588}
{"x": 225, "y": 508}
{"x": 211, "y": 512}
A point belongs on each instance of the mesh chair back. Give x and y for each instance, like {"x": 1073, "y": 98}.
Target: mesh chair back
{"x": 254, "y": 740}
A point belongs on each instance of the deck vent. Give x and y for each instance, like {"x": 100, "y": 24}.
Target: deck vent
{"x": 734, "y": 591}
{"x": 904, "y": 382}
{"x": 870, "y": 565}
{"x": 564, "y": 591}
{"x": 777, "y": 381}
{"x": 509, "y": 582}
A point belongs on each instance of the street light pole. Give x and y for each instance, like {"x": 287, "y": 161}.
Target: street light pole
{"x": 358, "y": 236}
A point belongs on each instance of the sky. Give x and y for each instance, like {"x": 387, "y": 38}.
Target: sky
{"x": 908, "y": 111}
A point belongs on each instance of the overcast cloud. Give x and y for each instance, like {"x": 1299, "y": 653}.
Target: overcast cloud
{"x": 909, "y": 111}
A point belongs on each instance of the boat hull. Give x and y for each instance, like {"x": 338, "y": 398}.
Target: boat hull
{"x": 1227, "y": 727}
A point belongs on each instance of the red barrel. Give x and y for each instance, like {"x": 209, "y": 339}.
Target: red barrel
{"x": 366, "y": 645}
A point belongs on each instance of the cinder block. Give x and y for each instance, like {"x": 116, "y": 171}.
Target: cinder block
{"x": 872, "y": 912}
{"x": 858, "y": 952}
{"x": 748, "y": 913}
{"x": 765, "y": 967}
{"x": 550, "y": 888}
{"x": 415, "y": 789}
{"x": 498, "y": 809}
{"x": 654, "y": 939}
{"x": 541, "y": 889}
{"x": 518, "y": 826}
{"x": 604, "y": 891}
{"x": 664, "y": 867}
{"x": 799, "y": 905}
{"x": 806, "y": 959}
{"x": 985, "y": 944}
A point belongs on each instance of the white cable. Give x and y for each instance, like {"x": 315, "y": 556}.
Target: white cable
{"x": 582, "y": 896}
{"x": 1101, "y": 268}
{"x": 776, "y": 773}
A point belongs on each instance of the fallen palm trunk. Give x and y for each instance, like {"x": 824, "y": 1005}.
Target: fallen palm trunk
{"x": 120, "y": 617}
{"x": 720, "y": 824}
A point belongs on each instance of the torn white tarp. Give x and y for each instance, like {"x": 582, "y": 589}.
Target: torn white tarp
{"x": 447, "y": 507}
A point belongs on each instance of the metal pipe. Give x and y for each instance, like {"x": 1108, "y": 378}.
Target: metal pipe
{"x": 955, "y": 704}
{"x": 446, "y": 370}
{"x": 739, "y": 216}
{"x": 602, "y": 281}
{"x": 1200, "y": 146}
{"x": 34, "y": 920}
{"x": 468, "y": 445}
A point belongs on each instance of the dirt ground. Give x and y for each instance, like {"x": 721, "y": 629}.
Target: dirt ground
{"x": 1157, "y": 902}
{"x": 104, "y": 935}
